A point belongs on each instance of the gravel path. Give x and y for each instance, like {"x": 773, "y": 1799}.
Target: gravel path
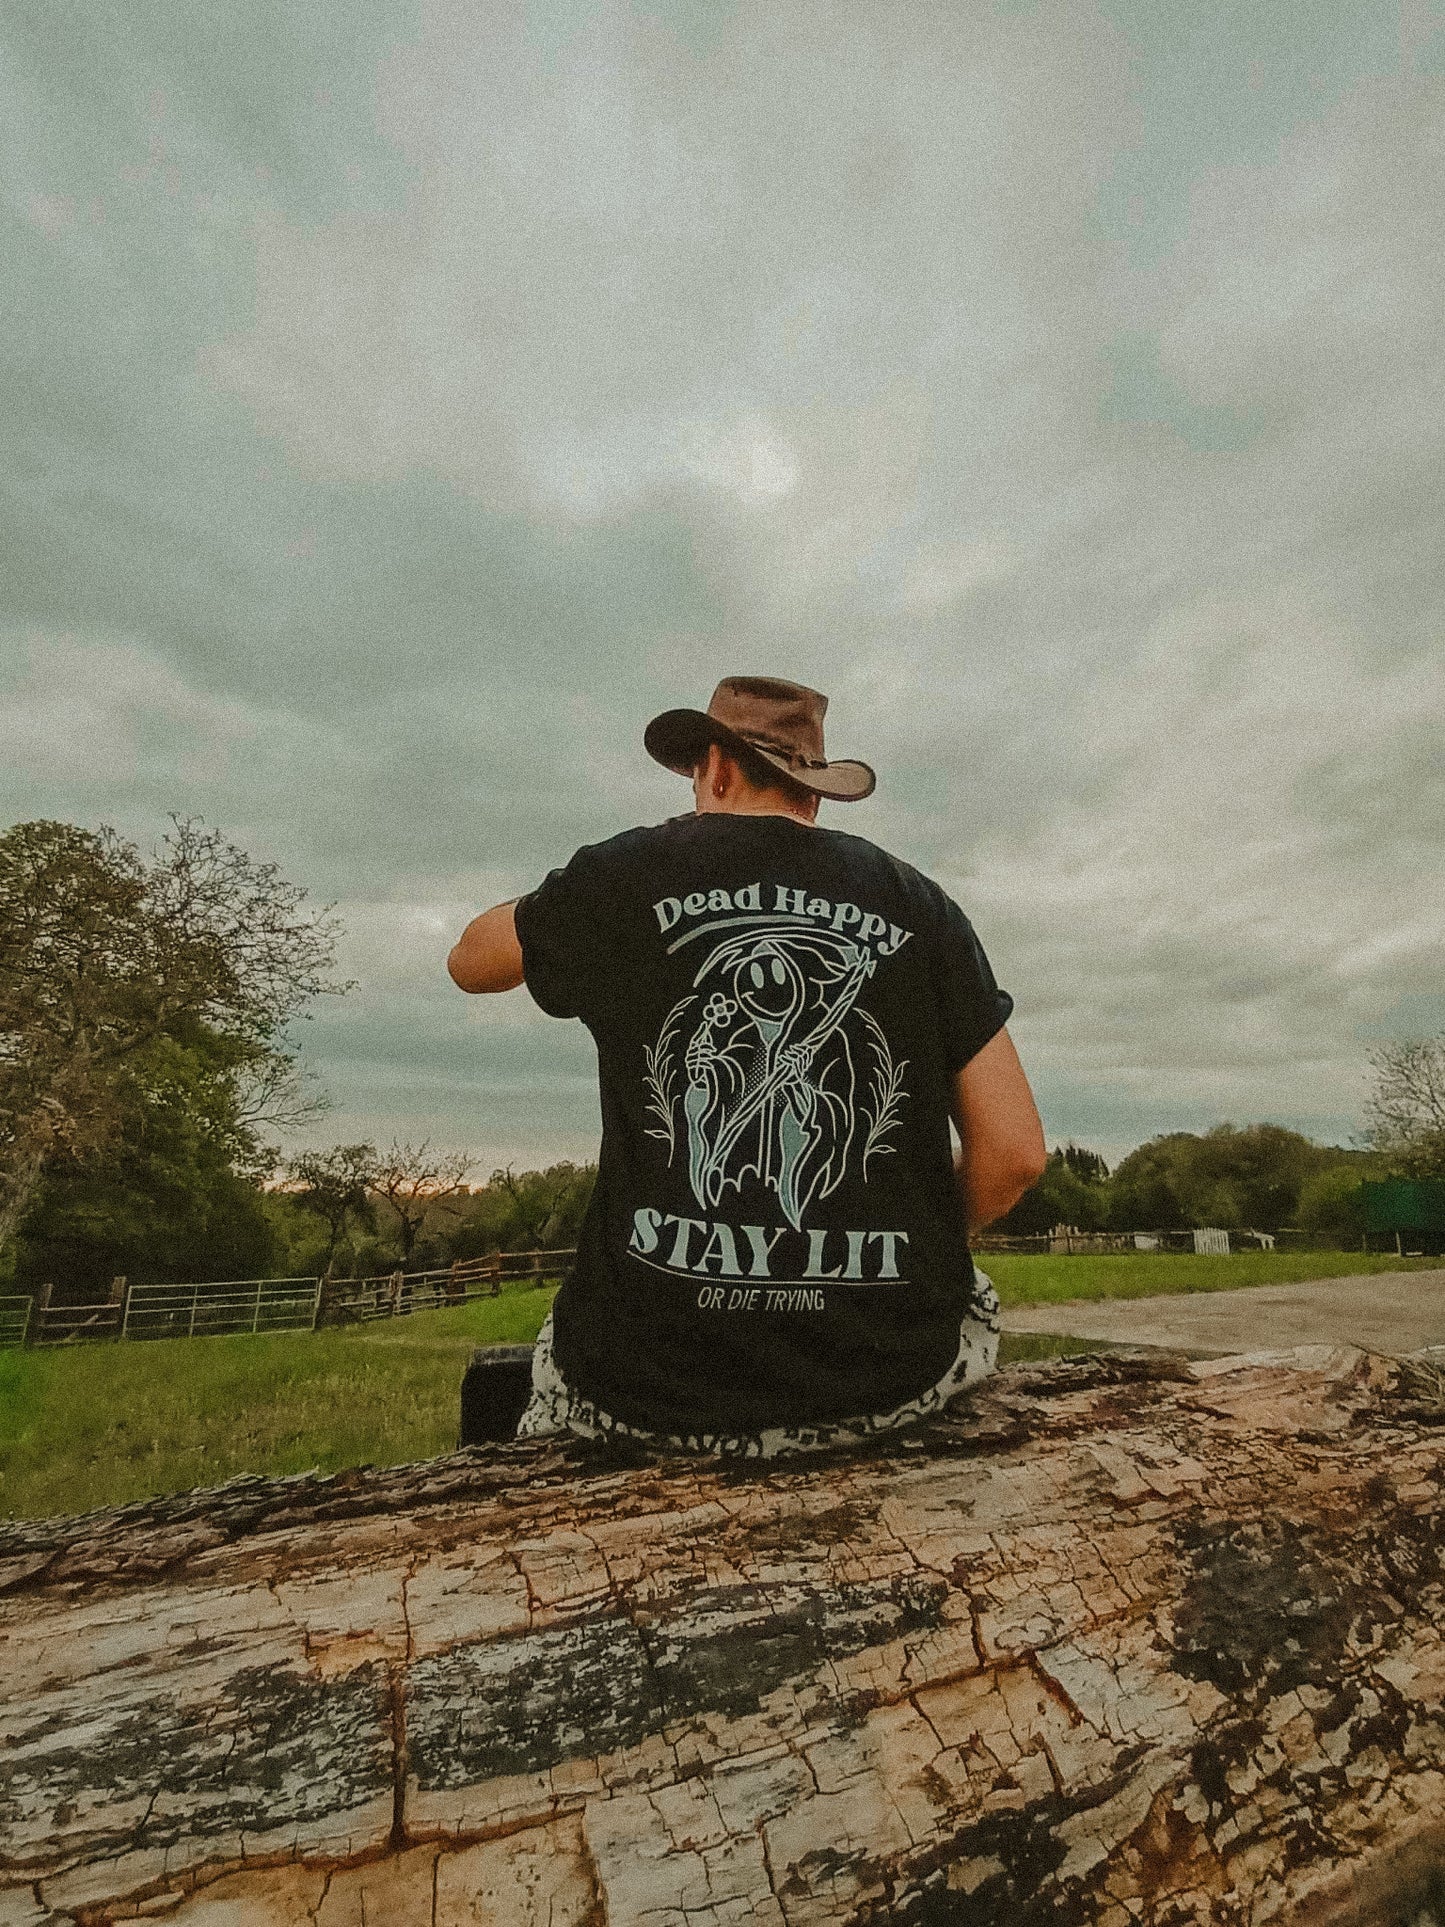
{"x": 1391, "y": 1311}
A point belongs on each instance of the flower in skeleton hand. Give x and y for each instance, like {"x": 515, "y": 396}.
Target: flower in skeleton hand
{"x": 719, "y": 1010}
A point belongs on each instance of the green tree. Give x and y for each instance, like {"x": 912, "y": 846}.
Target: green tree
{"x": 1084, "y": 1163}
{"x": 1246, "y": 1178}
{"x": 336, "y": 1185}
{"x": 525, "y": 1211}
{"x": 104, "y": 956}
{"x": 1142, "y": 1194}
{"x": 1332, "y": 1203}
{"x": 175, "y": 1197}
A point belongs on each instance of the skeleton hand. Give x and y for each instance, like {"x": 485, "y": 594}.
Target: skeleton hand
{"x": 700, "y": 1053}
{"x": 796, "y": 1059}
{"x": 702, "y": 1050}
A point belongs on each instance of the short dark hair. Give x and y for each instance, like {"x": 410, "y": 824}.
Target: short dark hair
{"x": 763, "y": 775}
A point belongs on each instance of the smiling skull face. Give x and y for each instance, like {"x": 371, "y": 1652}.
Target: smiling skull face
{"x": 770, "y": 988}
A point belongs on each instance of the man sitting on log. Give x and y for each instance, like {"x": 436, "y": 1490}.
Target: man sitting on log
{"x": 787, "y": 1018}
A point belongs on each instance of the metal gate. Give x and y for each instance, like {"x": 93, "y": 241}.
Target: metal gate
{"x": 14, "y": 1320}
{"x": 211, "y": 1310}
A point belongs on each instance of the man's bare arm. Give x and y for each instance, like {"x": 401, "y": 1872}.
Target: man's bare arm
{"x": 1002, "y": 1138}
{"x": 487, "y": 955}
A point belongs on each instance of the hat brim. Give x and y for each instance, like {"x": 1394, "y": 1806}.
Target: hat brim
{"x": 679, "y": 739}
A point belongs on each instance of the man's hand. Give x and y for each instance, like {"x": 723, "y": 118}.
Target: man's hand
{"x": 487, "y": 955}
{"x": 1002, "y": 1139}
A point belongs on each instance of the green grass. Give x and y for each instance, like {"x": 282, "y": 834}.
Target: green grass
{"x": 1029, "y": 1280}
{"x": 105, "y": 1424}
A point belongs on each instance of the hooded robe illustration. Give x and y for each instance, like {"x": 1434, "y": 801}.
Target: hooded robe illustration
{"x": 770, "y": 1079}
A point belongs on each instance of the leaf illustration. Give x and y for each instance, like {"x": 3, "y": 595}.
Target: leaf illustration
{"x": 661, "y": 1079}
{"x": 885, "y": 1092}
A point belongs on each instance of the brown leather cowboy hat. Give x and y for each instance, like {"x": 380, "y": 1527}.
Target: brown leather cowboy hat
{"x": 759, "y": 718}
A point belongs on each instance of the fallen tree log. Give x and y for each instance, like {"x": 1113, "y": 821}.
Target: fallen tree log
{"x": 1116, "y": 1640}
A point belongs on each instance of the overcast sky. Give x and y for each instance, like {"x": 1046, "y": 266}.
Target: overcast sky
{"x": 404, "y": 401}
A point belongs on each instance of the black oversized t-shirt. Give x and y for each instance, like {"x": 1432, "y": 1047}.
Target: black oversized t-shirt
{"x": 776, "y": 1236}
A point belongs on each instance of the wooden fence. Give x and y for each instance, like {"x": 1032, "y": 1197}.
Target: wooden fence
{"x": 1072, "y": 1242}
{"x": 52, "y": 1324}
{"x": 393, "y": 1294}
{"x": 248, "y": 1305}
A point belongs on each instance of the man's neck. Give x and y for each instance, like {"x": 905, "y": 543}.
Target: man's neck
{"x": 759, "y": 807}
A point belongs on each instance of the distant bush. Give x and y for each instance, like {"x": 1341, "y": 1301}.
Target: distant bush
{"x": 1258, "y": 1177}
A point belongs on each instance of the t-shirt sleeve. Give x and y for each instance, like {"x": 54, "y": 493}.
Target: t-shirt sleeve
{"x": 974, "y": 1008}
{"x": 556, "y": 927}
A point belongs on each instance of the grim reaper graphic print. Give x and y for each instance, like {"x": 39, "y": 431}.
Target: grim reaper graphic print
{"x": 775, "y": 1237}
{"x": 769, "y": 1070}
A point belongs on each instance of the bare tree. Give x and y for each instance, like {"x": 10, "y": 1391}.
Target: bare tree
{"x": 412, "y": 1179}
{"x": 1406, "y": 1109}
{"x": 102, "y": 954}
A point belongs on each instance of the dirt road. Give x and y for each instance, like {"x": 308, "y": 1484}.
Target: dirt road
{"x": 1392, "y": 1312}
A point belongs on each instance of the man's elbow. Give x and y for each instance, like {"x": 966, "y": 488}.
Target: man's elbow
{"x": 1031, "y": 1160}
{"x": 1016, "y": 1164}
{"x": 480, "y": 972}
{"x": 469, "y": 972}
{"x": 487, "y": 955}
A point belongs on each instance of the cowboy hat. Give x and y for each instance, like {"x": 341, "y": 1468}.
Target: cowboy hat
{"x": 758, "y": 718}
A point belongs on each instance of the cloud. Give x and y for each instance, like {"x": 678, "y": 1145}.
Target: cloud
{"x": 1209, "y": 934}
{"x": 1084, "y": 441}
{"x": 618, "y": 257}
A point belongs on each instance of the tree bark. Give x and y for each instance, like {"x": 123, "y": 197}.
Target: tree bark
{"x": 1120, "y": 1640}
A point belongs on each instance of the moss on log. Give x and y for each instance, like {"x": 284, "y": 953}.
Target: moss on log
{"x": 1121, "y": 1640}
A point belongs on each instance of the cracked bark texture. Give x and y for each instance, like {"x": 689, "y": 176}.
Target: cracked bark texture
{"x": 1116, "y": 1640}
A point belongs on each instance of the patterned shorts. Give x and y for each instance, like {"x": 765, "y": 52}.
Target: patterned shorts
{"x": 553, "y": 1407}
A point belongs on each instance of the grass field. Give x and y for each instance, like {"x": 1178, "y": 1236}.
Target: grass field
{"x": 105, "y": 1424}
{"x": 1029, "y": 1280}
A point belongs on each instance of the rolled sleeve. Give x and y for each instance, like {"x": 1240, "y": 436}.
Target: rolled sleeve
{"x": 552, "y": 925}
